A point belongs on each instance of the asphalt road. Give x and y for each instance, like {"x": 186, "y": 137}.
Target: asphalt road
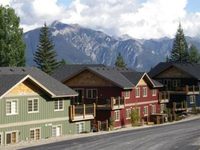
{"x": 181, "y": 136}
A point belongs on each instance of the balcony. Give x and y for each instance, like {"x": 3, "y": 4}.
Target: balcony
{"x": 111, "y": 104}
{"x": 164, "y": 97}
{"x": 82, "y": 112}
{"x": 189, "y": 90}
{"x": 192, "y": 90}
{"x": 180, "y": 106}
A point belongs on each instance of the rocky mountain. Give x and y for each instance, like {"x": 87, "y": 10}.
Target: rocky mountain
{"x": 77, "y": 44}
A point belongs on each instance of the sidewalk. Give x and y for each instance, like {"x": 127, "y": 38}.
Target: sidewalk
{"x": 26, "y": 144}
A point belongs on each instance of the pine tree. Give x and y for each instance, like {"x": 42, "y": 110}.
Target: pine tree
{"x": 180, "y": 48}
{"x": 120, "y": 61}
{"x": 12, "y": 47}
{"x": 194, "y": 56}
{"x": 45, "y": 56}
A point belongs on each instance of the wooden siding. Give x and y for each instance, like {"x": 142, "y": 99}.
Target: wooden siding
{"x": 173, "y": 73}
{"x": 23, "y": 89}
{"x": 87, "y": 79}
{"x": 142, "y": 82}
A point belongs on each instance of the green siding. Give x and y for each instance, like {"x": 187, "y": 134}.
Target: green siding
{"x": 46, "y": 111}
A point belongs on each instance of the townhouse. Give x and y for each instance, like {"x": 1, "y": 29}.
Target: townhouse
{"x": 181, "y": 81}
{"x": 34, "y": 106}
{"x": 115, "y": 91}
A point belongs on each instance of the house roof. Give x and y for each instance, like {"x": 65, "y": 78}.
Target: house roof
{"x": 10, "y": 76}
{"x": 122, "y": 77}
{"x": 191, "y": 69}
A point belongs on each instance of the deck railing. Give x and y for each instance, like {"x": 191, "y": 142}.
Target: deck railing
{"x": 82, "y": 112}
{"x": 111, "y": 103}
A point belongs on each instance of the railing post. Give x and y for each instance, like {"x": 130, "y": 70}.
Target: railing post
{"x": 94, "y": 109}
{"x": 84, "y": 111}
{"x": 187, "y": 88}
{"x": 73, "y": 111}
{"x": 111, "y": 102}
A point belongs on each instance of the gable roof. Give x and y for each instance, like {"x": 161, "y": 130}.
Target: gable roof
{"x": 122, "y": 77}
{"x": 11, "y": 76}
{"x": 191, "y": 69}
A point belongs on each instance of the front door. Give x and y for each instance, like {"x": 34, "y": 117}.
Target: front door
{"x": 11, "y": 137}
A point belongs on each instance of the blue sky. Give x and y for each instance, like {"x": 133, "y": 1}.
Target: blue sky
{"x": 137, "y": 18}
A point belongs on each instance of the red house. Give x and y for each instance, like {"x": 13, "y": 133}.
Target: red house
{"x": 115, "y": 91}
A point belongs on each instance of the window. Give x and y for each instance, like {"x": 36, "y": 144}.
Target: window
{"x": 91, "y": 93}
{"x": 192, "y": 99}
{"x": 127, "y": 94}
{"x": 56, "y": 130}
{"x": 117, "y": 115}
{"x": 11, "y": 137}
{"x": 80, "y": 127}
{"x": 154, "y": 92}
{"x": 1, "y": 138}
{"x": 137, "y": 92}
{"x": 33, "y": 105}
{"x": 35, "y": 134}
{"x": 58, "y": 105}
{"x": 144, "y": 91}
{"x": 145, "y": 110}
{"x": 128, "y": 113}
{"x": 153, "y": 109}
{"x": 162, "y": 108}
{"x": 11, "y": 107}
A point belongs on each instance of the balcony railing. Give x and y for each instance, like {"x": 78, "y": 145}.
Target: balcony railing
{"x": 111, "y": 104}
{"x": 179, "y": 106}
{"x": 192, "y": 89}
{"x": 82, "y": 112}
{"x": 164, "y": 97}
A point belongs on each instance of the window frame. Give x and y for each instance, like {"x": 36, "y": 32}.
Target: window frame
{"x": 145, "y": 112}
{"x": 10, "y": 132}
{"x": 1, "y": 139}
{"x": 153, "y": 109}
{"x": 154, "y": 92}
{"x": 34, "y": 129}
{"x": 55, "y": 126}
{"x": 58, "y": 104}
{"x": 117, "y": 113}
{"x": 33, "y": 105}
{"x": 17, "y": 107}
{"x": 127, "y": 94}
{"x": 144, "y": 92}
{"x": 128, "y": 113}
{"x": 91, "y": 94}
{"x": 192, "y": 99}
{"x": 137, "y": 92}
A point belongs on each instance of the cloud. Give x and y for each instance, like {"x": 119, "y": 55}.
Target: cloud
{"x": 146, "y": 19}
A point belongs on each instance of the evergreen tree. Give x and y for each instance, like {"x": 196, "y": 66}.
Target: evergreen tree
{"x": 194, "y": 56}
{"x": 120, "y": 61}
{"x": 45, "y": 56}
{"x": 180, "y": 48}
{"x": 12, "y": 47}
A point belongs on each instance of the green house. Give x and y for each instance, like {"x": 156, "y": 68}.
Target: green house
{"x": 34, "y": 106}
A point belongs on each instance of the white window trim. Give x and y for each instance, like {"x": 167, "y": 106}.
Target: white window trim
{"x": 147, "y": 111}
{"x": 92, "y": 93}
{"x": 117, "y": 119}
{"x": 8, "y": 132}
{"x": 58, "y": 105}
{"x": 59, "y": 125}
{"x": 34, "y": 133}
{"x": 10, "y": 100}
{"x": 128, "y": 117}
{"x": 78, "y": 123}
{"x": 154, "y": 92}
{"x": 32, "y": 106}
{"x": 144, "y": 89}
{"x": 137, "y": 88}
{"x": 127, "y": 92}
{"x": 153, "y": 108}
